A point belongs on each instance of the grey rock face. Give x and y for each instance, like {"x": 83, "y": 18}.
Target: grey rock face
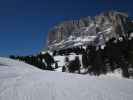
{"x": 88, "y": 30}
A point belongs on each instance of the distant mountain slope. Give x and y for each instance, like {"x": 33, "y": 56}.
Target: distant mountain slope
{"x": 96, "y": 30}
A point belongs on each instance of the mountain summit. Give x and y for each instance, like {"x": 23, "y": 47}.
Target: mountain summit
{"x": 90, "y": 30}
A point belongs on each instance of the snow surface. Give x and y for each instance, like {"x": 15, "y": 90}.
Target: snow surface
{"x": 61, "y": 59}
{"x": 117, "y": 73}
{"x": 20, "y": 81}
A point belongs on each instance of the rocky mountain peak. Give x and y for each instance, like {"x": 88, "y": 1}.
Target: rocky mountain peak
{"x": 90, "y": 30}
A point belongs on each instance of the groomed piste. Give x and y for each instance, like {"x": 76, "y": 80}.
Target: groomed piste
{"x": 20, "y": 81}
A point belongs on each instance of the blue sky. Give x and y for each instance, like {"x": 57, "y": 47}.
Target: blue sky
{"x": 24, "y": 24}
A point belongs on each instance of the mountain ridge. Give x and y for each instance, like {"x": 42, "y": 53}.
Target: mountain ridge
{"x": 90, "y": 30}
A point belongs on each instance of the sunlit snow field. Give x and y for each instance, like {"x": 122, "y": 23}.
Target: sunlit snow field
{"x": 20, "y": 81}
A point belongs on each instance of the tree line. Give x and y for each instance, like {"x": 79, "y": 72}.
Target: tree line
{"x": 116, "y": 54}
{"x": 42, "y": 61}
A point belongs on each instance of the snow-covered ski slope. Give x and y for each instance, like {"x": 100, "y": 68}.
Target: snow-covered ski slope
{"x": 20, "y": 81}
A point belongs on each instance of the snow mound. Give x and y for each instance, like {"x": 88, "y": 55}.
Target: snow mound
{"x": 20, "y": 81}
{"x": 116, "y": 74}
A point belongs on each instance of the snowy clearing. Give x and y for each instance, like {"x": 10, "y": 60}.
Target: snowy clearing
{"x": 20, "y": 81}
